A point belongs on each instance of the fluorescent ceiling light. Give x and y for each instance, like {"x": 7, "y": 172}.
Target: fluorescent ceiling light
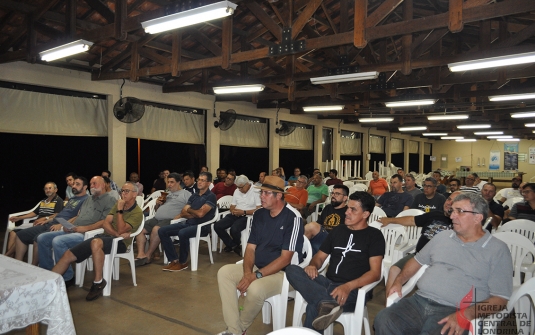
{"x": 238, "y": 89}
{"x": 508, "y": 140}
{"x": 448, "y": 117}
{"x": 376, "y": 119}
{"x": 466, "y": 140}
{"x": 499, "y": 136}
{"x": 452, "y": 138}
{"x": 408, "y": 103}
{"x": 473, "y": 126}
{"x": 523, "y": 58}
{"x": 323, "y": 108}
{"x": 65, "y": 50}
{"x": 488, "y": 133}
{"x": 412, "y": 128}
{"x": 512, "y": 97}
{"x": 187, "y": 18}
{"x": 435, "y": 134}
{"x": 521, "y": 115}
{"x": 530, "y": 125}
{"x": 345, "y": 77}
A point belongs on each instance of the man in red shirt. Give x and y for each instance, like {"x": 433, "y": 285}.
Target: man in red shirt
{"x": 226, "y": 188}
{"x": 297, "y": 195}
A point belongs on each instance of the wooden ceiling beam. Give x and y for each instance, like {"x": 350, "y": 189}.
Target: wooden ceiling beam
{"x": 48, "y": 31}
{"x": 205, "y": 41}
{"x": 153, "y": 55}
{"x": 102, "y": 9}
{"x": 265, "y": 19}
{"x": 121, "y": 13}
{"x": 306, "y": 14}
{"x": 70, "y": 18}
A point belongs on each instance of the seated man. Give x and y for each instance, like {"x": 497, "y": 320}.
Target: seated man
{"x": 432, "y": 223}
{"x": 470, "y": 184}
{"x": 293, "y": 178}
{"x": 524, "y": 210}
{"x": 441, "y": 188}
{"x": 166, "y": 210}
{"x": 221, "y": 176}
{"x": 107, "y": 174}
{"x": 402, "y": 174}
{"x": 377, "y": 186}
{"x": 199, "y": 209}
{"x": 69, "y": 179}
{"x": 396, "y": 200}
{"x": 107, "y": 189}
{"x": 410, "y": 186}
{"x": 123, "y": 219}
{"x": 465, "y": 262}
{"x": 455, "y": 185}
{"x": 317, "y": 193}
{"x": 333, "y": 175}
{"x": 90, "y": 217}
{"x": 226, "y": 188}
{"x": 134, "y": 178}
{"x": 277, "y": 233}
{"x": 188, "y": 178}
{"x": 48, "y": 208}
{"x": 297, "y": 196}
{"x": 496, "y": 210}
{"x": 161, "y": 183}
{"x": 512, "y": 192}
{"x": 71, "y": 209}
{"x": 331, "y": 216}
{"x": 430, "y": 200}
{"x": 356, "y": 251}
{"x": 245, "y": 201}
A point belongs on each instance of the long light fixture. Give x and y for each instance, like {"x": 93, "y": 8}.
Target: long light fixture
{"x": 239, "y": 89}
{"x": 466, "y": 140}
{"x": 345, "y": 77}
{"x": 452, "y": 138}
{"x": 189, "y": 17}
{"x": 323, "y": 108}
{"x": 530, "y": 125}
{"x": 417, "y": 128}
{"x": 435, "y": 134}
{"x": 508, "y": 140}
{"x": 65, "y": 50}
{"x": 523, "y": 114}
{"x": 375, "y": 119}
{"x": 473, "y": 126}
{"x": 488, "y": 133}
{"x": 522, "y": 96}
{"x": 447, "y": 117}
{"x": 409, "y": 103}
{"x": 495, "y": 137}
{"x": 484, "y": 63}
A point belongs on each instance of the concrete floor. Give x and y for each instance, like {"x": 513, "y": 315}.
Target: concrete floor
{"x": 183, "y": 302}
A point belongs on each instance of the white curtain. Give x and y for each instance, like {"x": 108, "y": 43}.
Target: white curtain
{"x": 299, "y": 139}
{"x": 168, "y": 125}
{"x": 50, "y": 114}
{"x": 396, "y": 146}
{"x": 246, "y": 134}
{"x": 377, "y": 144}
{"x": 413, "y": 147}
{"x": 350, "y": 146}
{"x": 427, "y": 148}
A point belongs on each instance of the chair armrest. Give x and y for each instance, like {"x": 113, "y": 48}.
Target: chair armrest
{"x": 93, "y": 233}
{"x": 178, "y": 220}
{"x": 392, "y": 299}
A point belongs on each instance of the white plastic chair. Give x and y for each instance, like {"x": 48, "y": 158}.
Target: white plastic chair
{"x": 151, "y": 205}
{"x": 413, "y": 233}
{"x": 294, "y": 331}
{"x": 410, "y": 212}
{"x": 522, "y": 301}
{"x": 358, "y": 187}
{"x": 195, "y": 241}
{"x": 25, "y": 224}
{"x": 525, "y": 228}
{"x": 139, "y": 200}
{"x": 511, "y": 201}
{"x": 376, "y": 214}
{"x": 245, "y": 234}
{"x": 279, "y": 302}
{"x": 520, "y": 247}
{"x": 349, "y": 184}
{"x": 352, "y": 322}
{"x": 395, "y": 239}
{"x": 369, "y": 175}
{"x": 152, "y": 196}
{"x": 222, "y": 203}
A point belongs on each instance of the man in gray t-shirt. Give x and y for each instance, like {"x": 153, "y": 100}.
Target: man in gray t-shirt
{"x": 466, "y": 266}
{"x": 166, "y": 210}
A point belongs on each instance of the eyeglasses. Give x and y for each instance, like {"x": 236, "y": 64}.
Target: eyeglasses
{"x": 202, "y": 180}
{"x": 337, "y": 194}
{"x": 125, "y": 191}
{"x": 428, "y": 186}
{"x": 300, "y": 181}
{"x": 453, "y": 185}
{"x": 469, "y": 179}
{"x": 460, "y": 211}
{"x": 263, "y": 192}
{"x": 526, "y": 192}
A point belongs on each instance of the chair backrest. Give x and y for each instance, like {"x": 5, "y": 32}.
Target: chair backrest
{"x": 395, "y": 235}
{"x": 528, "y": 288}
{"x": 294, "y": 331}
{"x": 224, "y": 202}
{"x": 376, "y": 214}
{"x": 287, "y": 187}
{"x": 358, "y": 187}
{"x": 523, "y": 227}
{"x": 410, "y": 212}
{"x": 511, "y": 201}
{"x": 307, "y": 254}
{"x": 369, "y": 175}
{"x": 407, "y": 287}
{"x": 349, "y": 184}
{"x": 520, "y": 247}
{"x": 151, "y": 205}
{"x": 139, "y": 200}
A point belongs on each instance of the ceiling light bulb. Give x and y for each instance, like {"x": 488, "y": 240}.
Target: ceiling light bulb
{"x": 376, "y": 119}
{"x": 452, "y": 138}
{"x": 522, "y": 115}
{"x": 473, "y": 126}
{"x": 499, "y": 136}
{"x": 522, "y": 96}
{"x": 417, "y": 128}
{"x": 65, "y": 50}
{"x": 345, "y": 77}
{"x": 238, "y": 89}
{"x": 508, "y": 140}
{"x": 409, "y": 103}
{"x": 523, "y": 58}
{"x": 466, "y": 140}
{"x": 435, "y": 134}
{"x": 488, "y": 133}
{"x": 447, "y": 117}
{"x": 323, "y": 108}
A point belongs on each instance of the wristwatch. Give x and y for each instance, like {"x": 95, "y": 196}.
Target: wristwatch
{"x": 48, "y": 218}
{"x": 120, "y": 211}
{"x": 258, "y": 274}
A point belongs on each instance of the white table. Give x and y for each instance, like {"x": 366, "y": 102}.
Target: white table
{"x": 29, "y": 295}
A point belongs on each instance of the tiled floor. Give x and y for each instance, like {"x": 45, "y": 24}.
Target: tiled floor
{"x": 183, "y": 302}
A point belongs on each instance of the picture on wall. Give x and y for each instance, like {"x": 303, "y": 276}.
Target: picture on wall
{"x": 510, "y": 154}
{"x": 494, "y": 161}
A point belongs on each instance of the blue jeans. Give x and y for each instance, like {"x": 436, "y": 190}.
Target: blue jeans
{"x": 412, "y": 315}
{"x": 236, "y": 225}
{"x": 59, "y": 241}
{"x": 184, "y": 233}
{"x": 315, "y": 291}
{"x": 317, "y": 240}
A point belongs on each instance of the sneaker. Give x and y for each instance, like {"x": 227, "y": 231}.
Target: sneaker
{"x": 328, "y": 312}
{"x": 227, "y": 249}
{"x": 96, "y": 291}
{"x": 226, "y": 332}
{"x": 167, "y": 267}
{"x": 177, "y": 266}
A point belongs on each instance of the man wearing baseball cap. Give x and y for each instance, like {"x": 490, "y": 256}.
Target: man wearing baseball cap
{"x": 276, "y": 233}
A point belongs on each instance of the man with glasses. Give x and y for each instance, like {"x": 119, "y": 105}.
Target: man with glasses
{"x": 526, "y": 209}
{"x": 60, "y": 239}
{"x": 469, "y": 184}
{"x": 430, "y": 200}
{"x": 297, "y": 195}
{"x": 454, "y": 185}
{"x": 468, "y": 262}
{"x": 410, "y": 186}
{"x": 200, "y": 208}
{"x": 166, "y": 210}
{"x": 276, "y": 234}
{"x": 396, "y": 200}
{"x": 245, "y": 201}
{"x": 295, "y": 177}
{"x": 226, "y": 188}
{"x": 331, "y": 216}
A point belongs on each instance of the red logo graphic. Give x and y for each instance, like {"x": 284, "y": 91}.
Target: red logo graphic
{"x": 465, "y": 302}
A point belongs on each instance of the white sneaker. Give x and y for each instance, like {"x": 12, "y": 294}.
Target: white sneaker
{"x": 226, "y": 332}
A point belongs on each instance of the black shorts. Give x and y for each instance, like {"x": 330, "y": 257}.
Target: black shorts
{"x": 29, "y": 235}
{"x": 82, "y": 251}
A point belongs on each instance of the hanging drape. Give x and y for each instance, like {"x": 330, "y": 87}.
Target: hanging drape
{"x": 245, "y": 133}
{"x": 300, "y": 139}
{"x": 396, "y": 146}
{"x": 414, "y": 147}
{"x": 377, "y": 144}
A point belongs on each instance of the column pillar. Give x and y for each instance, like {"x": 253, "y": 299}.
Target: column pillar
{"x": 116, "y": 144}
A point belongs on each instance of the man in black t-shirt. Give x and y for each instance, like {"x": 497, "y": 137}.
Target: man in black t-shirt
{"x": 331, "y": 216}
{"x": 432, "y": 223}
{"x": 356, "y": 254}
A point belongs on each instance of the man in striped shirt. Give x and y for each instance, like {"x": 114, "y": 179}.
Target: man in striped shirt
{"x": 469, "y": 184}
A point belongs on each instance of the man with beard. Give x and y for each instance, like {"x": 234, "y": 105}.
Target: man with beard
{"x": 396, "y": 200}
{"x": 513, "y": 192}
{"x": 455, "y": 185}
{"x": 71, "y": 209}
{"x": 60, "y": 239}
{"x": 331, "y": 216}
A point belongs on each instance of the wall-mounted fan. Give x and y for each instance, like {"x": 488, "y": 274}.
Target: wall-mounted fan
{"x": 128, "y": 109}
{"x": 226, "y": 119}
{"x": 285, "y": 129}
